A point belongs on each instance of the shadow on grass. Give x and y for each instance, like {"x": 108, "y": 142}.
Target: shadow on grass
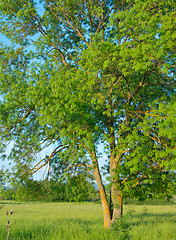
{"x": 18, "y": 203}
{"x": 5, "y": 203}
{"x": 141, "y": 215}
{"x": 150, "y": 218}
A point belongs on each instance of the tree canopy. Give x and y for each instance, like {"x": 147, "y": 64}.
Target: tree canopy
{"x": 75, "y": 74}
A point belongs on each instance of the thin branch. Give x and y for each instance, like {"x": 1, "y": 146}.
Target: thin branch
{"x": 37, "y": 167}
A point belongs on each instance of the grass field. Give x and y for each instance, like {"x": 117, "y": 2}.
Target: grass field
{"x": 67, "y": 221}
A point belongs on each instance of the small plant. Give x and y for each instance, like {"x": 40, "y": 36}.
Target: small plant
{"x": 9, "y": 224}
{"x": 122, "y": 228}
{"x": 145, "y": 209}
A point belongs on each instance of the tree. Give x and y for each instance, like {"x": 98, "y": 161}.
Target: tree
{"x": 2, "y": 182}
{"x": 97, "y": 72}
{"x": 74, "y": 182}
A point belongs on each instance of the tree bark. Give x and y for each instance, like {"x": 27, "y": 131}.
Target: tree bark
{"x": 101, "y": 188}
{"x": 116, "y": 195}
{"x": 117, "y": 203}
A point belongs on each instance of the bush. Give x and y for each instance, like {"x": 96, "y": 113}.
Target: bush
{"x": 122, "y": 228}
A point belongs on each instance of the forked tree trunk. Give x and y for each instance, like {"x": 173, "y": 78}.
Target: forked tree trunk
{"x": 112, "y": 210}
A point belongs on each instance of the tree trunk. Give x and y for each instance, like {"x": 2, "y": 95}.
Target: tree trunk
{"x": 114, "y": 209}
{"x": 116, "y": 195}
{"x": 101, "y": 188}
{"x": 117, "y": 203}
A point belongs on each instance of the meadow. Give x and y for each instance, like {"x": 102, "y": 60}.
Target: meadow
{"x": 83, "y": 221}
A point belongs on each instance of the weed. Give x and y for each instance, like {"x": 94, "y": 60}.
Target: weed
{"x": 122, "y": 228}
{"x": 145, "y": 209}
{"x": 9, "y": 224}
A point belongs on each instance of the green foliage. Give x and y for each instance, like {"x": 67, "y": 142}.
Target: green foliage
{"x": 76, "y": 189}
{"x": 2, "y": 179}
{"x": 122, "y": 228}
{"x": 79, "y": 73}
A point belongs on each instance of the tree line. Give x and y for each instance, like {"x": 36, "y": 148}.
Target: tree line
{"x": 78, "y": 188}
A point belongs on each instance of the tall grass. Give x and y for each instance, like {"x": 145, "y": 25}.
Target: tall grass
{"x": 55, "y": 221}
{"x": 153, "y": 222}
{"x": 67, "y": 221}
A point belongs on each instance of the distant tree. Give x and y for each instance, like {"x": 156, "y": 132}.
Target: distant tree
{"x": 78, "y": 189}
{"x": 75, "y": 181}
{"x": 1, "y": 182}
{"x": 80, "y": 73}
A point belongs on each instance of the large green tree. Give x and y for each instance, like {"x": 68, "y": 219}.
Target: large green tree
{"x": 78, "y": 73}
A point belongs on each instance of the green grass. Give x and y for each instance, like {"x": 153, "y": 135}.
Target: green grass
{"x": 66, "y": 221}
{"x": 153, "y": 222}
